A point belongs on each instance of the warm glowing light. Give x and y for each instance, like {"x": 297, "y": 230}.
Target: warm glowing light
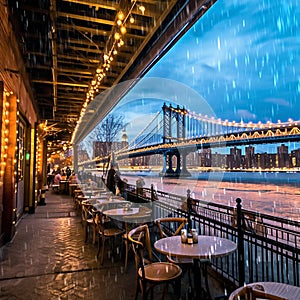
{"x": 123, "y": 29}
{"x": 117, "y": 36}
{"x": 121, "y": 15}
{"x": 142, "y": 9}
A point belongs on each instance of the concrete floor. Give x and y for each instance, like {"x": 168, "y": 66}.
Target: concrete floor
{"x": 49, "y": 259}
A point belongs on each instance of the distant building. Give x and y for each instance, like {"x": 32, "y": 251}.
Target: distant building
{"x": 283, "y": 156}
{"x": 249, "y": 157}
{"x": 236, "y": 157}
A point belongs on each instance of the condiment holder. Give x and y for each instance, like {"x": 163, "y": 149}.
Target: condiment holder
{"x": 127, "y": 207}
{"x": 189, "y": 238}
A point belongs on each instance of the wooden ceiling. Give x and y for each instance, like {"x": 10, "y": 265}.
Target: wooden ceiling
{"x": 64, "y": 43}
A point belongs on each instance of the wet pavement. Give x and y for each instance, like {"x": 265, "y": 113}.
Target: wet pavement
{"x": 49, "y": 259}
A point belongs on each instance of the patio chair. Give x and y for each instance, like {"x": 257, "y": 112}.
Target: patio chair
{"x": 87, "y": 221}
{"x": 142, "y": 217}
{"x": 151, "y": 274}
{"x": 171, "y": 226}
{"x": 106, "y": 229}
{"x": 256, "y": 293}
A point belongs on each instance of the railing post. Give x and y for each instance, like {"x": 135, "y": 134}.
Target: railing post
{"x": 241, "y": 253}
{"x": 189, "y": 209}
{"x": 152, "y": 192}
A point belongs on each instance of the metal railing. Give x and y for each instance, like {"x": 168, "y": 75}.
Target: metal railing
{"x": 268, "y": 246}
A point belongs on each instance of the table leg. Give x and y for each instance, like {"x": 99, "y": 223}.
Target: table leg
{"x": 201, "y": 292}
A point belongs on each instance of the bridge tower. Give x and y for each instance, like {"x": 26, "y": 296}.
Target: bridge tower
{"x": 173, "y": 132}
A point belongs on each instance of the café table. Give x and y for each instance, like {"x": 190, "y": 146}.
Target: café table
{"x": 208, "y": 247}
{"x": 102, "y": 204}
{"x": 121, "y": 212}
{"x": 64, "y": 186}
{"x": 283, "y": 290}
{"x": 128, "y": 217}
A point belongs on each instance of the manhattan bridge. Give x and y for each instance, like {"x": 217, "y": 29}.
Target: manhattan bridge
{"x": 175, "y": 131}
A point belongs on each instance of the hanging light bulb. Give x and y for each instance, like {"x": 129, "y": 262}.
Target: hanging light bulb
{"x": 142, "y": 8}
{"x": 105, "y": 57}
{"x": 121, "y": 15}
{"x": 131, "y": 20}
{"x": 119, "y": 22}
{"x": 123, "y": 29}
{"x": 117, "y": 36}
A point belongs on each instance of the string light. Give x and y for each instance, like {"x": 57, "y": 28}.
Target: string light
{"x": 114, "y": 42}
{"x": 5, "y": 130}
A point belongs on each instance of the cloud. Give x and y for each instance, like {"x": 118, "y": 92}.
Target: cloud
{"x": 278, "y": 101}
{"x": 245, "y": 114}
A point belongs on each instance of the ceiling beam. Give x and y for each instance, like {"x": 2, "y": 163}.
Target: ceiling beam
{"x": 85, "y": 18}
{"x": 53, "y": 38}
{"x": 96, "y": 3}
{"x": 61, "y": 83}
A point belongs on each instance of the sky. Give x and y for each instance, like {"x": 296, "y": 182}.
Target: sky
{"x": 243, "y": 58}
{"x": 239, "y": 62}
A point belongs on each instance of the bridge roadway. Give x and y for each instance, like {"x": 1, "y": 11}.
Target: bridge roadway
{"x": 193, "y": 145}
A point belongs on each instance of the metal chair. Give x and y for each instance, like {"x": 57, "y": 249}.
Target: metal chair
{"x": 150, "y": 274}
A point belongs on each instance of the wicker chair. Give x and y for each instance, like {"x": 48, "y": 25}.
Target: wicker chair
{"x": 149, "y": 273}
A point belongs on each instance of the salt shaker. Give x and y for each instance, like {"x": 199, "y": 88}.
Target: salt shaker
{"x": 183, "y": 236}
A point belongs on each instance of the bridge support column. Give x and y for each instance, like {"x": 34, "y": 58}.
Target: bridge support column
{"x": 167, "y": 170}
{"x": 181, "y": 170}
{"x": 184, "y": 172}
{"x": 170, "y": 164}
{"x": 164, "y": 169}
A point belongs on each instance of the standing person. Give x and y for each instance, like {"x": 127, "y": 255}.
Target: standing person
{"x": 140, "y": 185}
{"x": 63, "y": 175}
{"x": 122, "y": 187}
{"x": 110, "y": 181}
{"x": 68, "y": 172}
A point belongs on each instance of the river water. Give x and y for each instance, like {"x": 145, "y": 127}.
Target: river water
{"x": 274, "y": 198}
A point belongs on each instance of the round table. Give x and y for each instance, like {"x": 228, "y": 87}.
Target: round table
{"x": 207, "y": 247}
{"x": 105, "y": 203}
{"x": 284, "y": 290}
{"x": 121, "y": 212}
